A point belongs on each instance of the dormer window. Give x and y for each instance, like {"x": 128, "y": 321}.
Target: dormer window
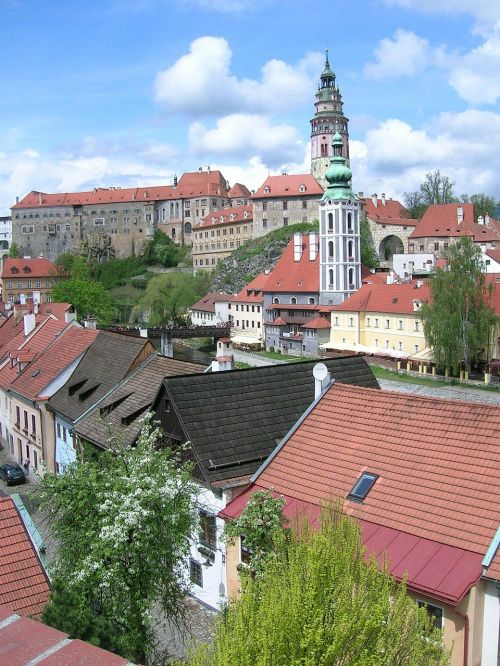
{"x": 27, "y": 269}
{"x": 245, "y": 214}
{"x": 302, "y": 188}
{"x": 14, "y": 269}
{"x": 362, "y": 487}
{"x": 267, "y": 189}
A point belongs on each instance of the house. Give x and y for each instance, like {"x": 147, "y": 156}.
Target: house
{"x": 232, "y": 421}
{"x": 110, "y": 358}
{"x": 442, "y": 224}
{"x": 24, "y": 584}
{"x": 239, "y": 195}
{"x": 28, "y": 278}
{"x": 203, "y": 312}
{"x": 491, "y": 259}
{"x": 422, "y": 476}
{"x": 219, "y": 234}
{"x": 246, "y": 313}
{"x": 26, "y": 641}
{"x": 390, "y": 226}
{"x": 283, "y": 200}
{"x": 120, "y": 411}
{"x": 29, "y": 380}
{"x": 381, "y": 319}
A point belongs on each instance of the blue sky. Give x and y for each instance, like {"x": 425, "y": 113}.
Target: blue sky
{"x": 129, "y": 92}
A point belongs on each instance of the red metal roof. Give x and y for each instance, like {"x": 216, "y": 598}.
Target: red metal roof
{"x": 25, "y": 641}
{"x": 24, "y": 586}
{"x": 296, "y": 185}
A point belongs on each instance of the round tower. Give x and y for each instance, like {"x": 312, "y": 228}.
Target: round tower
{"x": 339, "y": 229}
{"x": 328, "y": 119}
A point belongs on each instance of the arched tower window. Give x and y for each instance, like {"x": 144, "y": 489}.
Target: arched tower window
{"x": 330, "y": 221}
{"x": 324, "y": 150}
{"x": 349, "y": 221}
{"x": 351, "y": 277}
{"x": 276, "y": 301}
{"x": 350, "y": 247}
{"x": 330, "y": 277}
{"x": 293, "y": 301}
{"x": 330, "y": 249}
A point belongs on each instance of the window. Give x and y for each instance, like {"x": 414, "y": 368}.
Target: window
{"x": 312, "y": 301}
{"x": 25, "y": 420}
{"x": 336, "y": 321}
{"x": 417, "y": 324}
{"x": 293, "y": 301}
{"x": 98, "y": 222}
{"x": 400, "y": 346}
{"x": 435, "y": 613}
{"x": 35, "y": 459}
{"x": 330, "y": 221}
{"x": 285, "y": 221}
{"x": 387, "y": 323}
{"x": 195, "y": 573}
{"x": 416, "y": 349}
{"x": 33, "y": 424}
{"x": 362, "y": 486}
{"x": 330, "y": 249}
{"x": 436, "y": 246}
{"x": 18, "y": 416}
{"x": 245, "y": 552}
{"x": 351, "y": 321}
{"x": 208, "y": 529}
{"x": 400, "y": 324}
{"x": 59, "y": 430}
{"x": 276, "y": 301}
{"x": 376, "y": 322}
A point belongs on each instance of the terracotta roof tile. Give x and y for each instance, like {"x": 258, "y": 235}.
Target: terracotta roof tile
{"x": 390, "y": 210}
{"x": 441, "y": 221}
{"x": 289, "y": 186}
{"x": 393, "y": 298}
{"x": 253, "y": 291}
{"x": 24, "y": 584}
{"x": 223, "y": 216}
{"x": 295, "y": 276}
{"x": 207, "y": 303}
{"x": 33, "y": 268}
{"x": 239, "y": 190}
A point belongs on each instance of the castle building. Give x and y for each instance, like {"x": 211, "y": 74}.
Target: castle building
{"x": 219, "y": 234}
{"x": 328, "y": 120}
{"x": 339, "y": 232}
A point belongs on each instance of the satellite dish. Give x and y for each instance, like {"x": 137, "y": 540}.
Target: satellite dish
{"x": 320, "y": 372}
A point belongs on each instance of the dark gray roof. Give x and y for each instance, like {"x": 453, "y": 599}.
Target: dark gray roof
{"x": 106, "y": 362}
{"x": 234, "y": 419}
{"x": 122, "y": 409}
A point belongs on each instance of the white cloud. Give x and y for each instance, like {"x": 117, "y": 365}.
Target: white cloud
{"x": 243, "y": 136}
{"x": 406, "y": 54}
{"x": 395, "y": 157}
{"x": 476, "y": 76}
{"x": 200, "y": 83}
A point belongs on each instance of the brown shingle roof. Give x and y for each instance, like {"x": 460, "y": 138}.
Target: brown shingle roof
{"x": 24, "y": 586}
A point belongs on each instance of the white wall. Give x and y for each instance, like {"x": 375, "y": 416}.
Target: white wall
{"x": 405, "y": 265}
{"x": 491, "y": 623}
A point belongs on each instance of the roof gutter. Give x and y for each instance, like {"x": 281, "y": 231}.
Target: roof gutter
{"x": 292, "y": 430}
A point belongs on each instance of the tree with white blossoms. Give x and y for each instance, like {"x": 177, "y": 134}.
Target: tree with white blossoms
{"x": 123, "y": 519}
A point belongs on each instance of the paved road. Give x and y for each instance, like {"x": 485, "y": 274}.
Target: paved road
{"x": 466, "y": 393}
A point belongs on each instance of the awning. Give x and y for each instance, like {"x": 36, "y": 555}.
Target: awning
{"x": 426, "y": 355}
{"x": 241, "y": 339}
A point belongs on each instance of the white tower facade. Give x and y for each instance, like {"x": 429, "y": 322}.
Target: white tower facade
{"x": 339, "y": 233}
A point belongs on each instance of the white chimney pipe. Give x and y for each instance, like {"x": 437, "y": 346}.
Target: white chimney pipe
{"x": 297, "y": 246}
{"x": 313, "y": 246}
{"x": 382, "y": 196}
{"x": 480, "y": 220}
{"x": 374, "y": 199}
{"x": 29, "y": 323}
{"x": 460, "y": 215}
{"x": 487, "y": 219}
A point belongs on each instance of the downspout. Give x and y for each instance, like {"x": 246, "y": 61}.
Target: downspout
{"x": 465, "y": 618}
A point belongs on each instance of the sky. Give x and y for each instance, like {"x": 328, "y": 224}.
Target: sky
{"x": 101, "y": 93}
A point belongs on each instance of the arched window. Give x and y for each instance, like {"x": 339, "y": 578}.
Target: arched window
{"x": 330, "y": 249}
{"x": 350, "y": 253}
{"x": 330, "y": 277}
{"x": 173, "y": 233}
{"x": 312, "y": 301}
{"x": 330, "y": 221}
{"x": 188, "y": 228}
{"x": 349, "y": 221}
{"x": 293, "y": 301}
{"x": 351, "y": 277}
{"x": 276, "y": 301}
{"x": 324, "y": 150}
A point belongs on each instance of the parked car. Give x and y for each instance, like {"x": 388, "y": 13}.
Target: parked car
{"x": 12, "y": 474}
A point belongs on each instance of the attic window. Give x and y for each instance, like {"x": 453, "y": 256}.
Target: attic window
{"x": 35, "y": 373}
{"x": 267, "y": 189}
{"x": 75, "y": 387}
{"x": 86, "y": 394}
{"x": 362, "y": 487}
{"x": 27, "y": 269}
{"x": 14, "y": 269}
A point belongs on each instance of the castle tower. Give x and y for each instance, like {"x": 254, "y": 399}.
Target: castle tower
{"x": 339, "y": 222}
{"x": 328, "y": 119}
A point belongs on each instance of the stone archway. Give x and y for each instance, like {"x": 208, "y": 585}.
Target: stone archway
{"x": 390, "y": 245}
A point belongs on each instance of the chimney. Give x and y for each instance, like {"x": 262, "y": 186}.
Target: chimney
{"x": 313, "y": 246}
{"x": 35, "y": 307}
{"x": 17, "y": 200}
{"x": 29, "y": 323}
{"x": 208, "y": 169}
{"x": 480, "y": 220}
{"x": 374, "y": 199}
{"x": 487, "y": 219}
{"x": 361, "y": 195}
{"x": 175, "y": 181}
{"x": 297, "y": 246}
{"x": 69, "y": 316}
{"x": 224, "y": 356}
{"x": 321, "y": 379}
{"x": 460, "y": 215}
{"x": 382, "y": 196}
{"x": 90, "y": 322}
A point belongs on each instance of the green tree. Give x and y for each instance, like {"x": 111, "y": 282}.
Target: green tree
{"x": 437, "y": 189}
{"x": 483, "y": 204}
{"x": 320, "y": 602}
{"x": 162, "y": 250}
{"x": 168, "y": 295}
{"x": 458, "y": 321}
{"x": 66, "y": 612}
{"x": 15, "y": 251}
{"x": 369, "y": 255}
{"x": 414, "y": 204}
{"x": 122, "y": 520}
{"x": 87, "y": 296}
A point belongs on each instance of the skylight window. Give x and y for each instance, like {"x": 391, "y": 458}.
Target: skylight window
{"x": 362, "y": 486}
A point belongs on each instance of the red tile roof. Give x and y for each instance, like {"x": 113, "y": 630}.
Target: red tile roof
{"x": 294, "y": 276}
{"x": 392, "y": 212}
{"x": 494, "y": 254}
{"x": 26, "y": 641}
{"x": 367, "y": 277}
{"x": 49, "y": 364}
{"x": 239, "y": 191}
{"x": 317, "y": 322}
{"x": 289, "y": 186}
{"x": 440, "y": 221}
{"x": 437, "y": 461}
{"x": 394, "y": 298}
{"x": 27, "y": 268}
{"x": 252, "y": 292}
{"x": 46, "y": 330}
{"x": 241, "y": 214}
{"x": 207, "y": 303}
{"x": 23, "y": 582}
{"x": 189, "y": 185}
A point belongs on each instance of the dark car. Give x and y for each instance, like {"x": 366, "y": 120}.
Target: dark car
{"x": 12, "y": 474}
